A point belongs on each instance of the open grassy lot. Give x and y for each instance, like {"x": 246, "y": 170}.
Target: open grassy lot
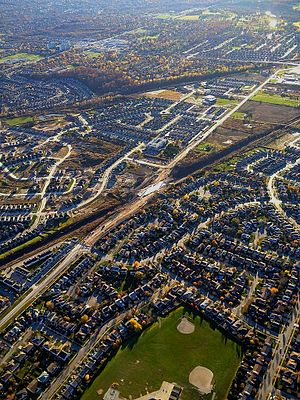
{"x": 226, "y": 102}
{"x": 150, "y": 37}
{"x": 162, "y": 353}
{"x": 26, "y": 56}
{"x": 189, "y": 17}
{"x": 297, "y": 25}
{"x": 238, "y": 115}
{"x": 205, "y": 147}
{"x": 18, "y": 121}
{"x": 21, "y": 246}
{"x": 93, "y": 54}
{"x": 166, "y": 16}
{"x": 275, "y": 99}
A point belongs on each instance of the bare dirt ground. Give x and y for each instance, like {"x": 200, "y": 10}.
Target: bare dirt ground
{"x": 185, "y": 326}
{"x": 236, "y": 130}
{"x": 202, "y": 378}
{"x": 164, "y": 94}
{"x": 51, "y": 126}
{"x": 281, "y": 142}
{"x": 270, "y": 113}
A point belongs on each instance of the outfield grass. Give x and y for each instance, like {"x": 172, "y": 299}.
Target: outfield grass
{"x": 275, "y": 99}
{"x": 162, "y": 353}
{"x": 19, "y": 121}
{"x": 26, "y": 56}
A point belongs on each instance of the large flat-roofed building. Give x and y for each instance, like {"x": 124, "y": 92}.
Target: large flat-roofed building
{"x": 209, "y": 100}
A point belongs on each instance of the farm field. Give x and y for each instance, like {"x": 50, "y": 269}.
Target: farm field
{"x": 157, "y": 353}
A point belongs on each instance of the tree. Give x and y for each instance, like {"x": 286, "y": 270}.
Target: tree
{"x": 135, "y": 325}
{"x": 49, "y": 305}
{"x": 84, "y": 318}
{"x": 139, "y": 275}
{"x": 274, "y": 290}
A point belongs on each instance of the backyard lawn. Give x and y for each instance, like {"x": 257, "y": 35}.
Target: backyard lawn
{"x": 162, "y": 353}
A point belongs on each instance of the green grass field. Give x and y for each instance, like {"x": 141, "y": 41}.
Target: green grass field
{"x": 226, "y": 102}
{"x": 21, "y": 246}
{"x": 238, "y": 115}
{"x": 275, "y": 99}
{"x": 189, "y": 17}
{"x": 205, "y": 146}
{"x": 93, "y": 54}
{"x": 26, "y": 56}
{"x": 166, "y": 16}
{"x": 297, "y": 25}
{"x": 19, "y": 121}
{"x": 162, "y": 353}
{"x": 150, "y": 37}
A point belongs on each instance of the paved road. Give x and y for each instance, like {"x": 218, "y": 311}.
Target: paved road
{"x": 271, "y": 185}
{"x": 80, "y": 356}
{"x": 43, "y": 203}
{"x": 128, "y": 211}
{"x": 149, "y": 163}
{"x": 203, "y": 136}
{"x": 42, "y": 286}
{"x": 106, "y": 176}
{"x": 23, "y": 340}
{"x": 181, "y": 100}
{"x": 14, "y": 265}
{"x": 274, "y": 199}
{"x": 93, "y": 341}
